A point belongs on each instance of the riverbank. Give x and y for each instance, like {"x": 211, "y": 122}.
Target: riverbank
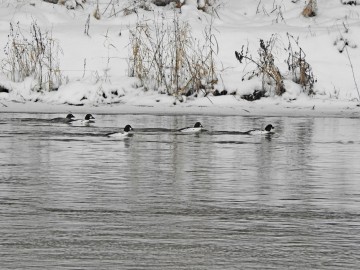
{"x": 224, "y": 105}
{"x": 94, "y": 67}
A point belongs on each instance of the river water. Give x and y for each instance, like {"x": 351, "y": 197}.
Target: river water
{"x": 71, "y": 198}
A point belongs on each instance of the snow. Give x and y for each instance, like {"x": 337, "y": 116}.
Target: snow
{"x": 95, "y": 66}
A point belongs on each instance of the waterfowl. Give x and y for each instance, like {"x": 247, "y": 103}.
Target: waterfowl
{"x": 197, "y": 128}
{"x": 87, "y": 120}
{"x": 119, "y": 135}
{"x": 266, "y": 130}
{"x": 67, "y": 119}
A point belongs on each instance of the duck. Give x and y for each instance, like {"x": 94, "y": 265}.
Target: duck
{"x": 266, "y": 130}
{"x": 69, "y": 118}
{"x": 119, "y": 135}
{"x": 87, "y": 120}
{"x": 195, "y": 129}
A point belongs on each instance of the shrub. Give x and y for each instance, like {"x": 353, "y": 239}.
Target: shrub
{"x": 168, "y": 59}
{"x": 35, "y": 56}
{"x": 310, "y": 9}
{"x": 72, "y": 4}
{"x": 209, "y": 6}
{"x": 271, "y": 77}
{"x": 343, "y": 41}
{"x": 300, "y": 69}
{"x": 265, "y": 65}
{"x": 350, "y": 2}
{"x": 133, "y": 5}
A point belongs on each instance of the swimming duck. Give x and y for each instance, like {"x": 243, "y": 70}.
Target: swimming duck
{"x": 67, "y": 119}
{"x": 87, "y": 120}
{"x": 119, "y": 135}
{"x": 266, "y": 130}
{"x": 197, "y": 128}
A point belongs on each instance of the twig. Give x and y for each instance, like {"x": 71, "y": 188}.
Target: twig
{"x": 84, "y": 67}
{"x": 351, "y": 65}
{"x": 352, "y": 69}
{"x": 207, "y": 96}
{"x": 87, "y": 26}
{"x": 257, "y": 8}
{"x": 107, "y": 7}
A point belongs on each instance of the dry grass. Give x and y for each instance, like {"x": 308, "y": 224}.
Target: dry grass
{"x": 299, "y": 67}
{"x": 300, "y": 70}
{"x": 96, "y": 12}
{"x": 166, "y": 58}
{"x": 265, "y": 66}
{"x": 310, "y": 9}
{"x": 179, "y": 3}
{"x": 274, "y": 73}
{"x": 35, "y": 55}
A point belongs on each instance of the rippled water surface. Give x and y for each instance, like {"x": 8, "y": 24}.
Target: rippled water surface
{"x": 71, "y": 198}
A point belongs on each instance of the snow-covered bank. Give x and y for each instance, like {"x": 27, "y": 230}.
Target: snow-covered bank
{"x": 95, "y": 66}
{"x": 225, "y": 105}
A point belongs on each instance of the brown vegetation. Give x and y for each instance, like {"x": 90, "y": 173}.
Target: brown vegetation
{"x": 310, "y": 9}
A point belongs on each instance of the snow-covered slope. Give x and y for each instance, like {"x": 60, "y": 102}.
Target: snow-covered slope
{"x": 95, "y": 66}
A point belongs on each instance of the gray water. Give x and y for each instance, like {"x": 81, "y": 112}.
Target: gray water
{"x": 71, "y": 198}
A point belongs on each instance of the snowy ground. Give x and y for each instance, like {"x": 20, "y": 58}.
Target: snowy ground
{"x": 105, "y": 51}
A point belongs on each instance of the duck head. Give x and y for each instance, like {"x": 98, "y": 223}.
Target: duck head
{"x": 198, "y": 125}
{"x": 269, "y": 127}
{"x": 89, "y": 116}
{"x": 128, "y": 128}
